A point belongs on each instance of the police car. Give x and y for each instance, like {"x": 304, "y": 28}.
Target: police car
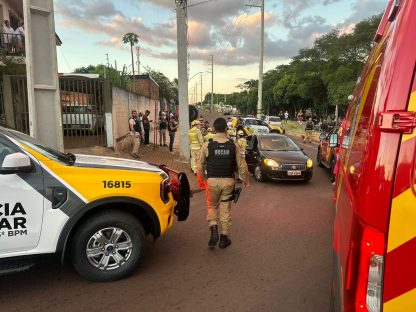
{"x": 96, "y": 211}
{"x": 256, "y": 126}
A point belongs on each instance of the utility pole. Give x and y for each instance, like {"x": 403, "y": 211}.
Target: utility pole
{"x": 260, "y": 93}
{"x": 212, "y": 84}
{"x": 201, "y": 89}
{"x": 260, "y": 86}
{"x": 181, "y": 20}
{"x": 196, "y": 92}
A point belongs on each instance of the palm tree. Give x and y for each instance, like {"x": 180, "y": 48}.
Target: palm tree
{"x": 133, "y": 39}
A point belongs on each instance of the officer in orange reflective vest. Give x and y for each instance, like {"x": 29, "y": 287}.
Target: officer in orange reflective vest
{"x": 195, "y": 142}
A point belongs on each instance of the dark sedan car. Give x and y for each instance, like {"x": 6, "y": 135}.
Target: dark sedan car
{"x": 277, "y": 157}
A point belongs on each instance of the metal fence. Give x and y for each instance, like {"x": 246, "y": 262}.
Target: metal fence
{"x": 83, "y": 119}
{"x": 2, "y": 117}
{"x": 20, "y": 105}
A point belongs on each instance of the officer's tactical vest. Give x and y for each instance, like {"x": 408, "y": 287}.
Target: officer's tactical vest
{"x": 221, "y": 161}
{"x": 136, "y": 126}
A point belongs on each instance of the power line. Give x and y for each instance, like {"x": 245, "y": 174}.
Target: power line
{"x": 66, "y": 61}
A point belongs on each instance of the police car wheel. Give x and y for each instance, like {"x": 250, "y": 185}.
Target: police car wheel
{"x": 258, "y": 174}
{"x": 108, "y": 246}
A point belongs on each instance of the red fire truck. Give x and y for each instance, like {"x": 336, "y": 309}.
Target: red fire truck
{"x": 375, "y": 195}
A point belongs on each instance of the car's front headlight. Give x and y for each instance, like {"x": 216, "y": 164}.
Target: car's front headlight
{"x": 309, "y": 163}
{"x": 271, "y": 163}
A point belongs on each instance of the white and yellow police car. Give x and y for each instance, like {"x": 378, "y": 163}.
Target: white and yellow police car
{"x": 96, "y": 211}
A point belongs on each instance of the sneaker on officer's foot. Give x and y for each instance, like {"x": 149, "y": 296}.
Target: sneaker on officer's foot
{"x": 224, "y": 241}
{"x": 213, "y": 241}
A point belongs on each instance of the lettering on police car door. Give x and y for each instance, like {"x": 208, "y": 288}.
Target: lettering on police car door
{"x": 12, "y": 220}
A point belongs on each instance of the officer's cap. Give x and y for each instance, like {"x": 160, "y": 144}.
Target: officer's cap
{"x": 195, "y": 123}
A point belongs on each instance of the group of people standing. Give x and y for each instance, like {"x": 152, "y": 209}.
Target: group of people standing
{"x": 13, "y": 39}
{"x": 139, "y": 126}
{"x": 201, "y": 132}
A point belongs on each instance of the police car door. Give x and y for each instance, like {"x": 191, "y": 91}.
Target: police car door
{"x": 21, "y": 204}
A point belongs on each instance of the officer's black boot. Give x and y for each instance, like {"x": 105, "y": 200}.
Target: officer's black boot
{"x": 224, "y": 241}
{"x": 213, "y": 241}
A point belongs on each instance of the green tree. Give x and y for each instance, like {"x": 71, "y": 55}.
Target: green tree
{"x": 168, "y": 90}
{"x": 132, "y": 39}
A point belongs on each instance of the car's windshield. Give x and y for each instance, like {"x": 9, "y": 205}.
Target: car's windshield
{"x": 280, "y": 143}
{"x": 250, "y": 122}
{"x": 48, "y": 152}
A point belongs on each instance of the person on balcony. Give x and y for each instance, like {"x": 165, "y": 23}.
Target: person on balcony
{"x": 7, "y": 36}
{"x": 19, "y": 37}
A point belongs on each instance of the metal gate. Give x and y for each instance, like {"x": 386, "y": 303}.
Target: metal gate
{"x": 20, "y": 104}
{"x": 2, "y": 117}
{"x": 82, "y": 103}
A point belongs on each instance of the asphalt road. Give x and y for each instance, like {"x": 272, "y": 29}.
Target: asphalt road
{"x": 279, "y": 260}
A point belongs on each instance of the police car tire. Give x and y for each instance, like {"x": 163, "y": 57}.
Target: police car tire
{"x": 121, "y": 220}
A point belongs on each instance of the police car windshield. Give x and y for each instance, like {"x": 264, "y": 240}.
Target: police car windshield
{"x": 48, "y": 152}
{"x": 277, "y": 144}
{"x": 274, "y": 119}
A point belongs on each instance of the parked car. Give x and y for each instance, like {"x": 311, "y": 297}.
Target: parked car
{"x": 95, "y": 211}
{"x": 275, "y": 124}
{"x": 82, "y": 117}
{"x": 326, "y": 155}
{"x": 255, "y": 126}
{"x": 375, "y": 196}
{"x": 277, "y": 157}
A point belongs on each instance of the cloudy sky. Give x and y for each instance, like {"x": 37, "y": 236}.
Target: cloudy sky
{"x": 228, "y": 29}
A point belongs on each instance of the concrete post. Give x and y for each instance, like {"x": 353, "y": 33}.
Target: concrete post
{"x": 45, "y": 121}
{"x": 182, "y": 79}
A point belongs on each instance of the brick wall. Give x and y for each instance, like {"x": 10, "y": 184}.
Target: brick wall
{"x": 123, "y": 103}
{"x": 147, "y": 87}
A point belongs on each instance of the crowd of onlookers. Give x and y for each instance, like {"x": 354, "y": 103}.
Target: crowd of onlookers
{"x": 139, "y": 126}
{"x": 12, "y": 40}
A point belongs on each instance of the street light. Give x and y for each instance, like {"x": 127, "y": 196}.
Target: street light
{"x": 201, "y": 73}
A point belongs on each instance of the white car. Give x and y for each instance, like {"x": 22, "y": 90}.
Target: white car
{"x": 256, "y": 126}
{"x": 81, "y": 117}
{"x": 273, "y": 120}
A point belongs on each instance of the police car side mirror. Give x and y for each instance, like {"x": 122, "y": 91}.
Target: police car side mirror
{"x": 333, "y": 140}
{"x": 15, "y": 163}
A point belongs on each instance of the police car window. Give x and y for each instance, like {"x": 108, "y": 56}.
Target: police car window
{"x": 4, "y": 151}
{"x": 44, "y": 150}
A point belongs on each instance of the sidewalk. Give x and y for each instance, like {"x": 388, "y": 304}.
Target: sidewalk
{"x": 154, "y": 154}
